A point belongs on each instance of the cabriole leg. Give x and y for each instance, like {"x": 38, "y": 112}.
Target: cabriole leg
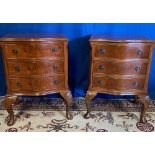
{"x": 69, "y": 102}
{"x": 8, "y": 102}
{"x": 145, "y": 101}
{"x": 136, "y": 99}
{"x": 89, "y": 96}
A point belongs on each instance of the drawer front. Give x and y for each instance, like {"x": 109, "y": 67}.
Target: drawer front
{"x": 120, "y": 68}
{"x": 28, "y": 68}
{"x": 110, "y": 83}
{"x": 133, "y": 51}
{"x": 37, "y": 84}
{"x": 34, "y": 50}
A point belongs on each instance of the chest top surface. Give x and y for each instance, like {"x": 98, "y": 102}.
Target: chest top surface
{"x": 33, "y": 37}
{"x": 120, "y": 38}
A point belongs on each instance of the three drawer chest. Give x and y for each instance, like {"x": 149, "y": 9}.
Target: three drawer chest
{"x": 120, "y": 65}
{"x": 35, "y": 64}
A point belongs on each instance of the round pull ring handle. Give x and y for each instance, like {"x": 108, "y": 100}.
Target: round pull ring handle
{"x": 55, "y": 66}
{"x": 54, "y": 50}
{"x": 100, "y": 82}
{"x": 17, "y": 69}
{"x": 101, "y": 51}
{"x": 138, "y": 68}
{"x": 56, "y": 82}
{"x": 136, "y": 84}
{"x": 140, "y": 52}
{"x": 19, "y": 85}
{"x": 14, "y": 51}
{"x": 101, "y": 67}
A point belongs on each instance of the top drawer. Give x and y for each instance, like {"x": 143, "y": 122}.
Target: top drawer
{"x": 34, "y": 50}
{"x": 128, "y": 51}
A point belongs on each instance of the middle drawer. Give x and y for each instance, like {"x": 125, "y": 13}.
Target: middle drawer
{"x": 28, "y": 67}
{"x": 120, "y": 68}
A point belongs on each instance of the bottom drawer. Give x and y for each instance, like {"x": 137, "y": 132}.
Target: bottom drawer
{"x": 109, "y": 83}
{"x": 22, "y": 85}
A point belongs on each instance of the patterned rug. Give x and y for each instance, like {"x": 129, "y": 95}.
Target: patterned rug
{"x": 48, "y": 115}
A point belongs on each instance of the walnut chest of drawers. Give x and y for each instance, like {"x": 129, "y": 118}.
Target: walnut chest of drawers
{"x": 120, "y": 65}
{"x": 35, "y": 64}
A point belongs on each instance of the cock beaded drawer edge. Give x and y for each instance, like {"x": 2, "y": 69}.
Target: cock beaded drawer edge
{"x": 120, "y": 65}
{"x": 35, "y": 64}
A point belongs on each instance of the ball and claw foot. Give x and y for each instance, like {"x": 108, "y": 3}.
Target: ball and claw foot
{"x": 87, "y": 115}
{"x": 145, "y": 100}
{"x": 8, "y": 102}
{"x": 69, "y": 116}
{"x": 143, "y": 120}
{"x": 10, "y": 120}
{"x": 67, "y": 96}
{"x": 89, "y": 96}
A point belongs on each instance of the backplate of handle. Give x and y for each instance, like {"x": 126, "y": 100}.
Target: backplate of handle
{"x": 101, "y": 51}
{"x": 138, "y": 68}
{"x": 56, "y": 82}
{"x": 19, "y": 85}
{"x": 14, "y": 51}
{"x": 54, "y": 50}
{"x": 140, "y": 52}
{"x": 100, "y": 82}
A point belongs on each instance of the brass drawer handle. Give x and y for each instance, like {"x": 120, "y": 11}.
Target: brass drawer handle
{"x": 101, "y": 51}
{"x": 100, "y": 82}
{"x": 54, "y": 50}
{"x": 135, "y": 84}
{"x": 17, "y": 69}
{"x": 101, "y": 67}
{"x": 140, "y": 52}
{"x": 14, "y": 51}
{"x": 56, "y": 82}
{"x": 55, "y": 66}
{"x": 19, "y": 85}
{"x": 138, "y": 68}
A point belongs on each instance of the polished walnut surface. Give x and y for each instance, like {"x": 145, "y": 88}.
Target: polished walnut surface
{"x": 33, "y": 37}
{"x": 120, "y": 38}
{"x": 122, "y": 61}
{"x": 119, "y": 65}
{"x": 35, "y": 64}
{"x": 30, "y": 66}
{"x": 18, "y": 50}
{"x": 121, "y": 51}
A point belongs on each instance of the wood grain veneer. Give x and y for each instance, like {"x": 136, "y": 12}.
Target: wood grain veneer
{"x": 120, "y": 65}
{"x": 35, "y": 64}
